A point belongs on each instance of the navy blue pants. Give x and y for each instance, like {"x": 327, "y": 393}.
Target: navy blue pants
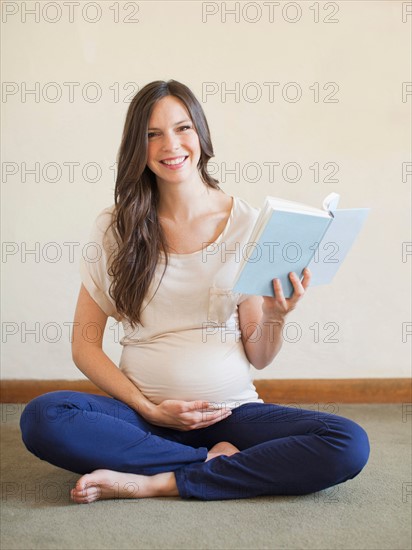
{"x": 284, "y": 450}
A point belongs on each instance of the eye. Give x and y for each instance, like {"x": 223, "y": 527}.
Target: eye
{"x": 151, "y": 134}
{"x": 186, "y": 127}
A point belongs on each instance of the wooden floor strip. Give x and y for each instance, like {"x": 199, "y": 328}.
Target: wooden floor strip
{"x": 290, "y": 391}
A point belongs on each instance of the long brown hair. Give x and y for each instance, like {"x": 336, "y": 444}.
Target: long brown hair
{"x": 138, "y": 232}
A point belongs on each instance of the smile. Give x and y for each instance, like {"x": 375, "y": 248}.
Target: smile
{"x": 174, "y": 163}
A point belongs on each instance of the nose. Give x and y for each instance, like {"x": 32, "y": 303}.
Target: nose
{"x": 171, "y": 142}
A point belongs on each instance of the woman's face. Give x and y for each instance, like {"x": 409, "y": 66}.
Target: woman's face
{"x": 173, "y": 144}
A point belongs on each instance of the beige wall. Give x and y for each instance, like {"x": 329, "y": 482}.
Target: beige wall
{"x": 364, "y": 133}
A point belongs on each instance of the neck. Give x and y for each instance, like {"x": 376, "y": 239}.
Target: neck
{"x": 184, "y": 201}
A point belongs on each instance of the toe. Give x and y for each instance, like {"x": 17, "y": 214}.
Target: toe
{"x": 89, "y": 495}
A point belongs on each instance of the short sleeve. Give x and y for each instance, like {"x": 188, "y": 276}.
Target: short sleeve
{"x": 94, "y": 262}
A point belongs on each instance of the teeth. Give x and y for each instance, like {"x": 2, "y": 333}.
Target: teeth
{"x": 174, "y": 161}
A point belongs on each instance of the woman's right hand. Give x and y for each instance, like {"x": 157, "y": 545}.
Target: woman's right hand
{"x": 186, "y": 415}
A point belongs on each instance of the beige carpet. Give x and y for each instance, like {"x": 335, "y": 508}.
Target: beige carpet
{"x": 372, "y": 511}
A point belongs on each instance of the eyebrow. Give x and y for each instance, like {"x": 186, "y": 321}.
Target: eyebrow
{"x": 177, "y": 124}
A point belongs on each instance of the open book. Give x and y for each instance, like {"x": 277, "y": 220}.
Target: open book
{"x": 289, "y": 236}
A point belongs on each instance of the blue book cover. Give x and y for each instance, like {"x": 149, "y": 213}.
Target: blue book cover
{"x": 290, "y": 236}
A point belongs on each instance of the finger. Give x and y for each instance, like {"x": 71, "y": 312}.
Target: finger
{"x": 212, "y": 416}
{"x": 280, "y": 297}
{"x": 212, "y": 420}
{"x": 307, "y": 275}
{"x": 196, "y": 405}
{"x": 202, "y": 418}
{"x": 217, "y": 406}
{"x": 212, "y": 406}
{"x": 298, "y": 290}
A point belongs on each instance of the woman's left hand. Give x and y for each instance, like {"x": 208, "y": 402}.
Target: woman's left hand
{"x": 275, "y": 309}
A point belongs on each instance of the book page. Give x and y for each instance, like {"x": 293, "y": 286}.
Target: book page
{"x": 292, "y": 206}
{"x": 336, "y": 243}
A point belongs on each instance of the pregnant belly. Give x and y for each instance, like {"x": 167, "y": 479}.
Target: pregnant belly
{"x": 183, "y": 366}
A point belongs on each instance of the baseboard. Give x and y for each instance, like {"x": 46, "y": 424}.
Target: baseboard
{"x": 347, "y": 390}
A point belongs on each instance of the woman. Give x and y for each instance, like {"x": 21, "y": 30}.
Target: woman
{"x": 184, "y": 418}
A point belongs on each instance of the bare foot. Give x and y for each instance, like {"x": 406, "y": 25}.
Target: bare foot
{"x": 108, "y": 484}
{"x": 222, "y": 448}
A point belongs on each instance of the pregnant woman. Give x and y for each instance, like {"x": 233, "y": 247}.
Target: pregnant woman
{"x": 182, "y": 416}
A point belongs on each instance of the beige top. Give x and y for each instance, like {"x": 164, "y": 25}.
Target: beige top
{"x": 190, "y": 346}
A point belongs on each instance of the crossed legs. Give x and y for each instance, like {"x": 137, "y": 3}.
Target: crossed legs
{"x": 282, "y": 450}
